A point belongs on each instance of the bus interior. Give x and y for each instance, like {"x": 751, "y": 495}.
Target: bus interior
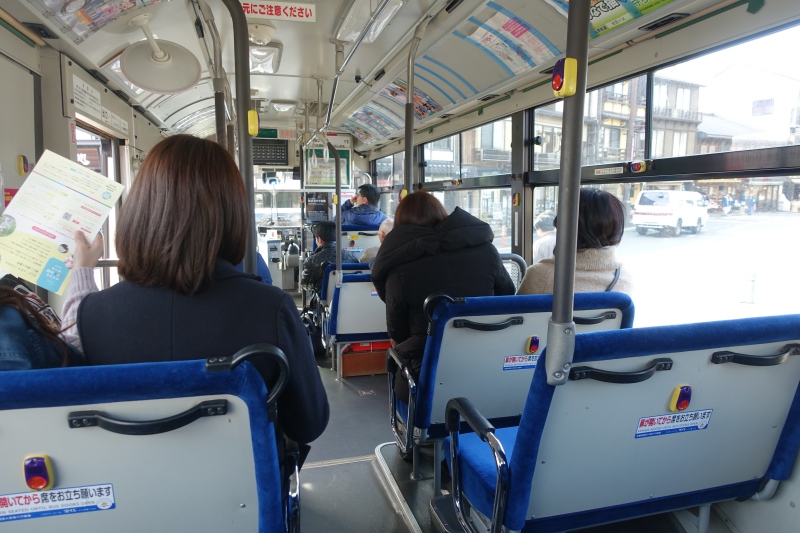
{"x": 688, "y": 111}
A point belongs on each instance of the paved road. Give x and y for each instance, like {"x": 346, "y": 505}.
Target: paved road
{"x": 737, "y": 266}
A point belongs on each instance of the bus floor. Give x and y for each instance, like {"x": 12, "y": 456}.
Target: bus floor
{"x": 344, "y": 487}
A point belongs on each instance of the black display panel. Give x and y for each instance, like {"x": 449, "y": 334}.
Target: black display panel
{"x": 270, "y": 152}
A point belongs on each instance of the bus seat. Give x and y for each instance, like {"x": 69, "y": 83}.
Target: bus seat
{"x": 357, "y": 315}
{"x": 329, "y": 279}
{"x": 325, "y": 298}
{"x": 359, "y": 238}
{"x": 607, "y": 446}
{"x": 476, "y": 346}
{"x": 173, "y": 446}
{"x": 515, "y": 266}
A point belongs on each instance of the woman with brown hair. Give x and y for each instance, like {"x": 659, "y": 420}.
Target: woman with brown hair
{"x": 180, "y": 233}
{"x": 429, "y": 251}
{"x": 601, "y": 224}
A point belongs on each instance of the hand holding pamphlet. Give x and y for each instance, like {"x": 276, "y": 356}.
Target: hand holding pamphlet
{"x": 37, "y": 229}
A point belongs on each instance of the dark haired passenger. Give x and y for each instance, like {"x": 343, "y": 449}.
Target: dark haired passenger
{"x": 601, "y": 223}
{"x": 362, "y": 209}
{"x": 314, "y": 266}
{"x": 180, "y": 233}
{"x": 429, "y": 251}
{"x": 29, "y": 331}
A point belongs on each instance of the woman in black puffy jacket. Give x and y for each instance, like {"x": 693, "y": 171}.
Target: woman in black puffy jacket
{"x": 430, "y": 251}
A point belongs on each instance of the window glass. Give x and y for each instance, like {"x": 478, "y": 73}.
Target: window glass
{"x": 700, "y": 276}
{"x": 548, "y": 136}
{"x": 96, "y": 153}
{"x": 613, "y": 126}
{"x": 733, "y": 99}
{"x": 679, "y": 142}
{"x": 658, "y": 143}
{"x": 399, "y": 163}
{"x": 660, "y": 96}
{"x": 277, "y": 208}
{"x": 486, "y": 150}
{"x": 442, "y": 159}
{"x": 493, "y": 206}
{"x": 383, "y": 171}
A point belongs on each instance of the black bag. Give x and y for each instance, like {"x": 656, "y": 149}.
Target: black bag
{"x": 315, "y": 332}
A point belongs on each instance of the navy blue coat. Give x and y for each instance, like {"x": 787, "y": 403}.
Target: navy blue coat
{"x": 457, "y": 257}
{"x": 129, "y": 323}
{"x": 361, "y": 215}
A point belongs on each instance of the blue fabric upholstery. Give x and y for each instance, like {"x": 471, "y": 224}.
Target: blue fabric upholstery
{"x": 496, "y": 305}
{"x": 147, "y": 381}
{"x": 476, "y": 461}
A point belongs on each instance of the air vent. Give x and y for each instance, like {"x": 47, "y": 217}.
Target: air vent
{"x": 41, "y": 30}
{"x": 487, "y": 97}
{"x": 139, "y": 109}
{"x": 547, "y": 70}
{"x": 446, "y": 115}
{"x": 379, "y": 75}
{"x": 663, "y": 21}
{"x": 452, "y": 5}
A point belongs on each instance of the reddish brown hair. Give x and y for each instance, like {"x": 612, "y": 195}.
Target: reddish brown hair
{"x": 33, "y": 319}
{"x": 187, "y": 206}
{"x": 420, "y": 209}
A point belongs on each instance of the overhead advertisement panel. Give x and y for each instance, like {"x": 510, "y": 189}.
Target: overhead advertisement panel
{"x": 424, "y": 105}
{"x": 608, "y": 15}
{"x": 513, "y": 42}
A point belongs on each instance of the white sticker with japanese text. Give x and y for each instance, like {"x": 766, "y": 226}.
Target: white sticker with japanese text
{"x": 24, "y": 505}
{"x": 520, "y": 362}
{"x": 650, "y": 426}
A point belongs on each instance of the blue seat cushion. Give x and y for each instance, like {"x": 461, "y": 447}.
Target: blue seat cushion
{"x": 477, "y": 465}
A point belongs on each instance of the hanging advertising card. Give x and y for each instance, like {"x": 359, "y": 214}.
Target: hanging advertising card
{"x": 320, "y": 163}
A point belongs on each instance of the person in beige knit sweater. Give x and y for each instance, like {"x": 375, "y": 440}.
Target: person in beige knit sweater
{"x": 601, "y": 223}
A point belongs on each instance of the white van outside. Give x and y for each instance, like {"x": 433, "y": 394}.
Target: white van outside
{"x": 669, "y": 212}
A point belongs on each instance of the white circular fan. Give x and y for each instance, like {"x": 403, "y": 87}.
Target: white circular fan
{"x": 156, "y": 65}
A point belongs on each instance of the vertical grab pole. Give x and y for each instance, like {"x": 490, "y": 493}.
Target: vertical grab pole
{"x": 419, "y": 33}
{"x": 561, "y": 329}
{"x": 242, "y": 73}
{"x": 338, "y": 160}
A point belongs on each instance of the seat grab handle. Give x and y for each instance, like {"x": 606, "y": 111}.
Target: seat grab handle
{"x": 726, "y": 356}
{"x": 464, "y": 323}
{"x": 86, "y": 419}
{"x": 589, "y": 320}
{"x": 607, "y": 376}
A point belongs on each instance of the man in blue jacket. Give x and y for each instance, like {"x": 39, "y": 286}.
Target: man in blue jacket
{"x": 362, "y": 209}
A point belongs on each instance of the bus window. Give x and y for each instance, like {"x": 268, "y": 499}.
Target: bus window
{"x": 442, "y": 159}
{"x": 486, "y": 150}
{"x": 96, "y": 152}
{"x": 614, "y": 122}
{"x": 696, "y": 112}
{"x": 717, "y": 266}
{"x": 493, "y": 206}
